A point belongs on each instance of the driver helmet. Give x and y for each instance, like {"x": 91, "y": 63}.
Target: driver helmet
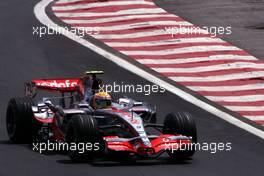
{"x": 101, "y": 100}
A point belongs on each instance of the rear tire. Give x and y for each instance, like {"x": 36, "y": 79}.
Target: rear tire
{"x": 181, "y": 123}
{"x": 21, "y": 125}
{"x": 83, "y": 129}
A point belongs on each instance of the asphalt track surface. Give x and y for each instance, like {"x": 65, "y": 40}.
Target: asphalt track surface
{"x": 25, "y": 57}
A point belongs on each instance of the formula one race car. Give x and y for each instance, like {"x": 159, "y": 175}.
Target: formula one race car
{"x": 89, "y": 116}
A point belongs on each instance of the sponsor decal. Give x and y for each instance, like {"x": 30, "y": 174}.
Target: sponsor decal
{"x": 68, "y": 83}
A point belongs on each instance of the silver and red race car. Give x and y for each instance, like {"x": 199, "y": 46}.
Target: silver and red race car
{"x": 117, "y": 127}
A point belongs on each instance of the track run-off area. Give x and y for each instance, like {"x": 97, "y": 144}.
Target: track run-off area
{"x": 207, "y": 65}
{"x": 25, "y": 56}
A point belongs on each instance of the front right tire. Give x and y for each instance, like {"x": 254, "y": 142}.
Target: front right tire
{"x": 83, "y": 129}
{"x": 181, "y": 123}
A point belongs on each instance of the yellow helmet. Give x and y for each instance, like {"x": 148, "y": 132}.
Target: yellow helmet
{"x": 101, "y": 100}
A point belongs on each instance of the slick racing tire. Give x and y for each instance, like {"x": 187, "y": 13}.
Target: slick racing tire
{"x": 82, "y": 130}
{"x": 21, "y": 125}
{"x": 181, "y": 123}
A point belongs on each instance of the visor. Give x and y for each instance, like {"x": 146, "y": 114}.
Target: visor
{"x": 103, "y": 103}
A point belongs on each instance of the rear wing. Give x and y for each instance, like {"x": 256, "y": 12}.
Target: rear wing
{"x": 60, "y": 85}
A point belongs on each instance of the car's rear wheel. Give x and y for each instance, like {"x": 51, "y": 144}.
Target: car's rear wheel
{"x": 181, "y": 123}
{"x": 83, "y": 130}
{"x": 21, "y": 125}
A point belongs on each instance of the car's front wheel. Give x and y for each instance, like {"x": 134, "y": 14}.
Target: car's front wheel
{"x": 82, "y": 131}
{"x": 181, "y": 123}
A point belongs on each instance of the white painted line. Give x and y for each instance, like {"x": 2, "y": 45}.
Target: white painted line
{"x": 136, "y": 25}
{"x": 156, "y": 22}
{"x": 196, "y": 59}
{"x": 67, "y": 1}
{"x": 120, "y": 18}
{"x": 234, "y": 88}
{"x": 216, "y": 67}
{"x": 241, "y": 98}
{"x": 190, "y": 49}
{"x": 246, "y": 108}
{"x": 41, "y": 15}
{"x": 166, "y": 42}
{"x": 244, "y": 75}
{"x": 100, "y": 4}
{"x": 255, "y": 117}
{"x": 121, "y": 12}
{"x": 134, "y": 34}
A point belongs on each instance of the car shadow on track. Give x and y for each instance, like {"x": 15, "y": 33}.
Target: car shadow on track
{"x": 118, "y": 163}
{"x": 110, "y": 162}
{"x": 6, "y": 142}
